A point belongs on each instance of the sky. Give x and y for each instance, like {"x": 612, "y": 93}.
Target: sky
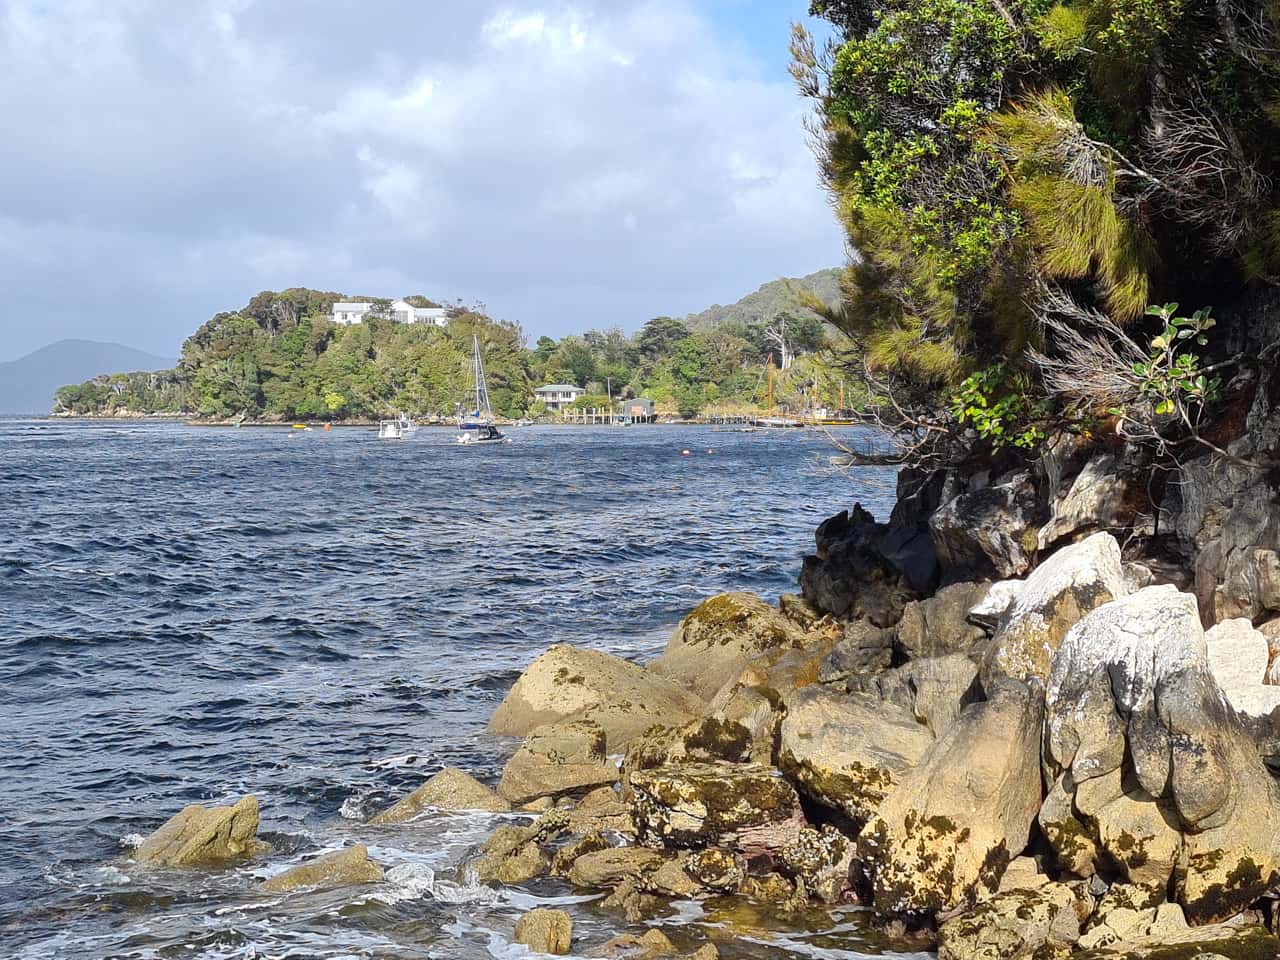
{"x": 568, "y": 165}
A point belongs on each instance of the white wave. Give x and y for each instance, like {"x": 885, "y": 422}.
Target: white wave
{"x": 415, "y": 881}
{"x": 132, "y": 840}
{"x": 110, "y": 874}
{"x": 393, "y": 763}
{"x": 352, "y": 808}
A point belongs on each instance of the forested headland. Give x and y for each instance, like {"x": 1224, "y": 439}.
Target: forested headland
{"x": 281, "y": 357}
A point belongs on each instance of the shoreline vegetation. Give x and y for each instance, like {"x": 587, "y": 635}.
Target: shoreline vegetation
{"x": 282, "y": 357}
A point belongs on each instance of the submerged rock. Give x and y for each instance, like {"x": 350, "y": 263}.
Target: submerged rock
{"x": 342, "y": 868}
{"x": 1072, "y": 582}
{"x": 557, "y": 759}
{"x": 545, "y": 931}
{"x": 205, "y": 836}
{"x": 649, "y": 946}
{"x": 740, "y": 806}
{"x": 569, "y": 682}
{"x": 450, "y": 789}
{"x": 964, "y": 811}
{"x": 720, "y": 637}
{"x": 1141, "y": 741}
{"x": 848, "y": 752}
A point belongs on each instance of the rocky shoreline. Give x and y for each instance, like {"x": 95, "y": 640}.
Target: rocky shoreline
{"x": 1067, "y": 765}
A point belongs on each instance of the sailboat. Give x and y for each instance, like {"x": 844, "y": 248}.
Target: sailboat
{"x": 477, "y": 427}
{"x": 772, "y": 420}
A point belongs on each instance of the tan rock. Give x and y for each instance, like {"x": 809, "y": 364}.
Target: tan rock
{"x": 707, "y": 739}
{"x": 1238, "y": 659}
{"x": 556, "y": 759}
{"x": 650, "y": 946}
{"x": 623, "y": 698}
{"x": 741, "y": 806}
{"x": 450, "y": 789}
{"x": 1016, "y": 923}
{"x": 526, "y": 862}
{"x": 342, "y": 868}
{"x": 848, "y": 751}
{"x": 753, "y": 708}
{"x": 205, "y": 836}
{"x": 1131, "y": 701}
{"x": 563, "y": 860}
{"x": 717, "y": 869}
{"x": 608, "y": 868}
{"x": 1075, "y": 580}
{"x": 545, "y": 931}
{"x": 963, "y": 812}
{"x": 720, "y": 637}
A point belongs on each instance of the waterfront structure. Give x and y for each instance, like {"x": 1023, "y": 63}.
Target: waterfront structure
{"x": 348, "y": 312}
{"x": 558, "y": 396}
{"x": 637, "y": 410}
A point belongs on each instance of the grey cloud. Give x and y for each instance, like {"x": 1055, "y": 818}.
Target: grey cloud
{"x": 570, "y": 164}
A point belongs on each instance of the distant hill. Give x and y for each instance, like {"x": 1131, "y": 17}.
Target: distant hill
{"x": 27, "y": 384}
{"x": 770, "y": 300}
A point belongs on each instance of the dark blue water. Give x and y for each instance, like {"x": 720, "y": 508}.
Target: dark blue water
{"x": 188, "y": 615}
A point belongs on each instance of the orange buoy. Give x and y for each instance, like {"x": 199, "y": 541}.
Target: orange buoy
{"x": 685, "y": 453}
{"x": 328, "y": 426}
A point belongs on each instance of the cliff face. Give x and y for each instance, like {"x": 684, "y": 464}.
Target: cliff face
{"x": 1207, "y": 521}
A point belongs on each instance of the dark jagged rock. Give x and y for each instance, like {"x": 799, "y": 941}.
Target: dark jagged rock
{"x": 988, "y": 533}
{"x": 850, "y": 577}
{"x": 864, "y": 650}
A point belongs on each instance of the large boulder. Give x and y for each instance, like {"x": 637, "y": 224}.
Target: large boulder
{"x": 964, "y": 811}
{"x": 1107, "y": 494}
{"x": 740, "y": 806}
{"x": 200, "y": 836}
{"x": 625, "y": 699}
{"x": 722, "y": 636}
{"x": 450, "y": 789}
{"x": 1073, "y": 581}
{"x": 987, "y": 533}
{"x": 1151, "y": 769}
{"x": 545, "y": 931}
{"x": 862, "y": 569}
{"x": 342, "y": 868}
{"x": 557, "y": 759}
{"x": 608, "y": 868}
{"x": 848, "y": 751}
{"x": 708, "y": 739}
{"x": 939, "y": 625}
{"x": 1015, "y": 923}
{"x": 1238, "y": 659}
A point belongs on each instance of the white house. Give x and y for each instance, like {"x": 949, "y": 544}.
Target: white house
{"x": 558, "y": 396}
{"x": 348, "y": 312}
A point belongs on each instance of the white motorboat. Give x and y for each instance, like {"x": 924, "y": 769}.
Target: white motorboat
{"x": 401, "y": 428}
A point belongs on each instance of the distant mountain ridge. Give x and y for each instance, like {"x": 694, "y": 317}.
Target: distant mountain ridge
{"x": 771, "y": 299}
{"x": 27, "y": 384}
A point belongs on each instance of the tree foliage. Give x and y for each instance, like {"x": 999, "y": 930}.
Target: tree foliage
{"x": 1002, "y": 167}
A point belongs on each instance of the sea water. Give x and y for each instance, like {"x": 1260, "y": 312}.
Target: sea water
{"x": 321, "y": 619}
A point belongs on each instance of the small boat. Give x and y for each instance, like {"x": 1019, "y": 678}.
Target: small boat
{"x": 401, "y": 428}
{"x": 476, "y": 428}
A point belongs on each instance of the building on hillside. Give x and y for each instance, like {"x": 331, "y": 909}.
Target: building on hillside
{"x": 558, "y": 396}
{"x": 637, "y": 410}
{"x": 348, "y": 312}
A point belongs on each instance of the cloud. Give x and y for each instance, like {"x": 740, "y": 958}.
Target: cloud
{"x": 571, "y": 164}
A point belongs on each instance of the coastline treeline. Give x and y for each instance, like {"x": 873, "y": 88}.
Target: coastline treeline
{"x": 281, "y": 357}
